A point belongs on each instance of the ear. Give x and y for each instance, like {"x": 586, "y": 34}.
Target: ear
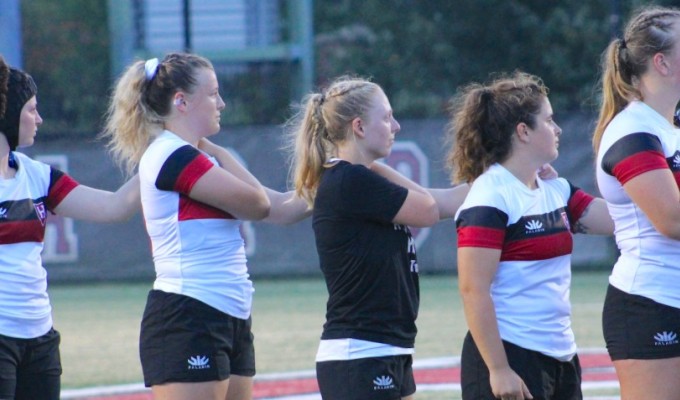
{"x": 178, "y": 101}
{"x": 661, "y": 64}
{"x": 358, "y": 127}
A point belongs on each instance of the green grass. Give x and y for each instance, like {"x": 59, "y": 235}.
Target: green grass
{"x": 100, "y": 325}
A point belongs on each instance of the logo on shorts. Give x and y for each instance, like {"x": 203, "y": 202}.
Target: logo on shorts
{"x": 198, "y": 362}
{"x": 665, "y": 338}
{"x": 383, "y": 382}
{"x": 3, "y": 212}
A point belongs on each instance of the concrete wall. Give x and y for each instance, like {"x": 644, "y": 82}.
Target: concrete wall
{"x": 80, "y": 251}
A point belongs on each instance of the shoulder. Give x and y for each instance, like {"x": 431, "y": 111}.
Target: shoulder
{"x": 489, "y": 189}
{"x": 30, "y": 165}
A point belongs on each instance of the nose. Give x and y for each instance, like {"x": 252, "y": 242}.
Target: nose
{"x": 395, "y": 125}
{"x": 38, "y": 119}
{"x": 558, "y": 130}
{"x": 221, "y": 104}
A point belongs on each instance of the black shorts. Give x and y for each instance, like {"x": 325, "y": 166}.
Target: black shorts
{"x": 379, "y": 378}
{"x": 30, "y": 369}
{"x": 636, "y": 327}
{"x": 546, "y": 377}
{"x": 185, "y": 340}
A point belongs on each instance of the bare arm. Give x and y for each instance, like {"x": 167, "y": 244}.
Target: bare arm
{"x": 420, "y": 208}
{"x": 657, "y": 195}
{"x": 231, "y": 187}
{"x": 90, "y": 204}
{"x": 595, "y": 220}
{"x": 286, "y": 208}
{"x": 476, "y": 270}
{"x": 450, "y": 199}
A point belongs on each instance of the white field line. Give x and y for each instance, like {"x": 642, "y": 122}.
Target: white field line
{"x": 438, "y": 362}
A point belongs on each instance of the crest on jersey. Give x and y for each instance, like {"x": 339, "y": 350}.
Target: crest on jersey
{"x": 40, "y": 212}
{"x": 565, "y": 218}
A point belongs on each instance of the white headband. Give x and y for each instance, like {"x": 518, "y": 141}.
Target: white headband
{"x": 150, "y": 68}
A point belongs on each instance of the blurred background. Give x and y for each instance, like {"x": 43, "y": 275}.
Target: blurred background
{"x": 268, "y": 54}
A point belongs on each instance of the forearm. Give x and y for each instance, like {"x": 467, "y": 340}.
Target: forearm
{"x": 449, "y": 200}
{"x": 481, "y": 319}
{"x": 286, "y": 208}
{"x": 228, "y": 162}
{"x": 394, "y": 176}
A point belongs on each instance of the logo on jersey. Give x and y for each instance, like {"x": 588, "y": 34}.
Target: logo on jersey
{"x": 198, "y": 362}
{"x": 665, "y": 338}
{"x": 383, "y": 383}
{"x": 40, "y": 212}
{"x": 3, "y": 213}
{"x": 534, "y": 226}
{"x": 676, "y": 162}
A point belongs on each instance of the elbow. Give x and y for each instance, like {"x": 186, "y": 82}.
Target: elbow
{"x": 261, "y": 210}
{"x": 430, "y": 215}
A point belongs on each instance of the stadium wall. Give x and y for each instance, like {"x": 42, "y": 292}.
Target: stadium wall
{"x": 81, "y": 251}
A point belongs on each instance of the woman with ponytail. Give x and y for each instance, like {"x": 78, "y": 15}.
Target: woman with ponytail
{"x": 30, "y": 367}
{"x": 362, "y": 210}
{"x": 515, "y": 243}
{"x": 638, "y": 173}
{"x": 196, "y": 340}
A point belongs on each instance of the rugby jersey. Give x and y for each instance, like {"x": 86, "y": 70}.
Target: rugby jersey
{"x": 636, "y": 141}
{"x": 532, "y": 228}
{"x": 197, "y": 249}
{"x": 37, "y": 188}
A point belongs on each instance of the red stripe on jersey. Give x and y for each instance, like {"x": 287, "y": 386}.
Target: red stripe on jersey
{"x": 22, "y": 231}
{"x": 192, "y": 209}
{"x": 637, "y": 164}
{"x": 191, "y": 173}
{"x": 538, "y": 247}
{"x": 578, "y": 202}
{"x": 59, "y": 189}
{"x": 475, "y": 236}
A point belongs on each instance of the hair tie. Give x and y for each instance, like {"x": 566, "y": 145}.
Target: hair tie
{"x": 322, "y": 99}
{"x": 150, "y": 68}
{"x": 622, "y": 43}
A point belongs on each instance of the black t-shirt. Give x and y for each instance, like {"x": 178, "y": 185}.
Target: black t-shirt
{"x": 369, "y": 263}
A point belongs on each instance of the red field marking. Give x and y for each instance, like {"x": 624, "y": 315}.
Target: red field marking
{"x": 596, "y": 367}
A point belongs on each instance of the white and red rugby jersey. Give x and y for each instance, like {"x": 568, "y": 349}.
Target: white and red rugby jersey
{"x": 532, "y": 228}
{"x": 197, "y": 249}
{"x": 636, "y": 141}
{"x": 37, "y": 188}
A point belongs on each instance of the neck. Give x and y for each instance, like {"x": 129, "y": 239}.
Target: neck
{"x": 657, "y": 96}
{"x": 525, "y": 172}
{"x": 183, "y": 132}
{"x": 353, "y": 154}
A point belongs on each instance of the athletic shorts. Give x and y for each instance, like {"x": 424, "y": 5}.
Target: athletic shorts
{"x": 636, "y": 327}
{"x": 545, "y": 377}
{"x": 379, "y": 378}
{"x": 30, "y": 369}
{"x": 185, "y": 340}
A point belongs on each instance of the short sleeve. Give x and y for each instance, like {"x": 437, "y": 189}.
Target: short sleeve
{"x": 368, "y": 195}
{"x": 60, "y": 186}
{"x": 633, "y": 155}
{"x": 182, "y": 169}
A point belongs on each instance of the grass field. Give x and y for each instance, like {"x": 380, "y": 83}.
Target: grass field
{"x": 100, "y": 325}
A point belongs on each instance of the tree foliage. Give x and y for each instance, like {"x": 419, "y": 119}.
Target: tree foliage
{"x": 420, "y": 51}
{"x": 66, "y": 50}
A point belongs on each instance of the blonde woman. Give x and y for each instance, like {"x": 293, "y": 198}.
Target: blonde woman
{"x": 196, "y": 339}
{"x": 638, "y": 170}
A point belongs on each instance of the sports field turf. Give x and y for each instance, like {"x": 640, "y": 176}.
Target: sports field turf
{"x": 100, "y": 324}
